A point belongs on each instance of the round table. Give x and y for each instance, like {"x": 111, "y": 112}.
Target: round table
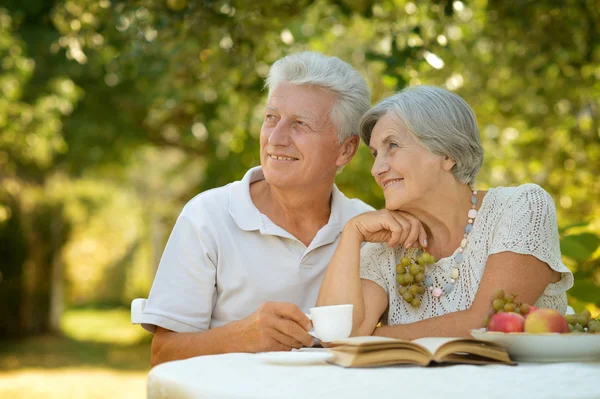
{"x": 242, "y": 375}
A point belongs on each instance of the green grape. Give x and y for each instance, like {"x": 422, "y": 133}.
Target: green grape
{"x": 571, "y": 318}
{"x": 571, "y": 328}
{"x": 587, "y": 314}
{"x": 525, "y": 308}
{"x": 581, "y": 319}
{"x": 509, "y": 298}
{"x": 420, "y": 277}
{"x": 594, "y": 327}
{"x": 400, "y": 279}
{"x": 414, "y": 269}
{"x": 498, "y": 304}
{"x": 431, "y": 259}
{"x": 509, "y": 307}
{"x": 517, "y": 310}
{"x": 407, "y": 297}
{"x": 402, "y": 290}
{"x": 499, "y": 294}
{"x": 415, "y": 303}
{"x": 413, "y": 289}
{"x": 405, "y": 261}
{"x": 422, "y": 289}
{"x": 578, "y": 327}
{"x": 408, "y": 278}
{"x": 400, "y": 269}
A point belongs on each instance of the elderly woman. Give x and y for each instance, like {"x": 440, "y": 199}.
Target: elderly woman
{"x": 427, "y": 152}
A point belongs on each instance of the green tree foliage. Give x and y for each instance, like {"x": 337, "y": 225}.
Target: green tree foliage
{"x": 107, "y": 105}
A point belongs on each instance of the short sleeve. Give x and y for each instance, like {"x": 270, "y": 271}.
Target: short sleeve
{"x": 528, "y": 226}
{"x": 184, "y": 289}
{"x": 371, "y": 258}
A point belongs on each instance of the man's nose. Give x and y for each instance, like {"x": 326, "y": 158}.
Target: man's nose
{"x": 380, "y": 166}
{"x": 280, "y": 135}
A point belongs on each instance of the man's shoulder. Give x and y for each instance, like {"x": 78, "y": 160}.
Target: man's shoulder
{"x": 358, "y": 206}
{"x": 210, "y": 202}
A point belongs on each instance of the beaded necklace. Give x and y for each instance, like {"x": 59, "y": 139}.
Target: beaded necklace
{"x": 411, "y": 273}
{"x": 458, "y": 258}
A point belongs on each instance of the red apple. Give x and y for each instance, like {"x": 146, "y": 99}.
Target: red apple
{"x": 546, "y": 321}
{"x": 506, "y": 322}
{"x": 529, "y": 309}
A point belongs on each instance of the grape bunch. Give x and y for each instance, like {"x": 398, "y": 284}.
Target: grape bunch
{"x": 410, "y": 275}
{"x": 502, "y": 302}
{"x": 583, "y": 323}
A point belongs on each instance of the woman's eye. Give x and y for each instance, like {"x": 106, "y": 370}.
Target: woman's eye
{"x": 393, "y": 145}
{"x": 301, "y": 123}
{"x": 269, "y": 117}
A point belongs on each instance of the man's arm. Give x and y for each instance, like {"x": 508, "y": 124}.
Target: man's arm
{"x": 273, "y": 327}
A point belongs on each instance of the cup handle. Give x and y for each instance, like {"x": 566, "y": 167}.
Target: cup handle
{"x": 311, "y": 332}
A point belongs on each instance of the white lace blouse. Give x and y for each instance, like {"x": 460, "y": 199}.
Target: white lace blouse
{"x": 511, "y": 219}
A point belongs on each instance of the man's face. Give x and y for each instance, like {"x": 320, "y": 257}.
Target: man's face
{"x": 298, "y": 141}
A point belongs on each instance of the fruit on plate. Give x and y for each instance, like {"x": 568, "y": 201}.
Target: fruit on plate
{"x": 546, "y": 321}
{"x": 502, "y": 302}
{"x": 583, "y": 322}
{"x": 506, "y": 322}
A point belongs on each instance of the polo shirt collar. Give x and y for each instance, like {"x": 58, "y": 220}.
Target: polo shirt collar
{"x": 241, "y": 208}
{"x": 247, "y": 217}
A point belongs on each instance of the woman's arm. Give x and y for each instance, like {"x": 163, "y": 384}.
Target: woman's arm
{"x": 523, "y": 275}
{"x": 342, "y": 283}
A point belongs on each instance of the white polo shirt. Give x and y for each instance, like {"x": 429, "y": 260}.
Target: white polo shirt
{"x": 224, "y": 259}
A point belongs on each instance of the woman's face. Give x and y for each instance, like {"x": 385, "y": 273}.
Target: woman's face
{"x": 405, "y": 170}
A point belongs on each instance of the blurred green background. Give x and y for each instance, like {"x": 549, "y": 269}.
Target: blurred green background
{"x": 113, "y": 114}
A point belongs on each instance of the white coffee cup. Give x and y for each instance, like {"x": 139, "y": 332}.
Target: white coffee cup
{"x": 332, "y": 322}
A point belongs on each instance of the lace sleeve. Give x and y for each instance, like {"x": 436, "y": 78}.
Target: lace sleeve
{"x": 371, "y": 258}
{"x": 528, "y": 226}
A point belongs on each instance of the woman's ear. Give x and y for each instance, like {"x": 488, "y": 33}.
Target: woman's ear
{"x": 448, "y": 163}
{"x": 347, "y": 150}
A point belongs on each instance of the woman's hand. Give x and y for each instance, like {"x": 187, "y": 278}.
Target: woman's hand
{"x": 393, "y": 227}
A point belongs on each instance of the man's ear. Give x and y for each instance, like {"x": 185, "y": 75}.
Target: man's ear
{"x": 347, "y": 150}
{"x": 448, "y": 163}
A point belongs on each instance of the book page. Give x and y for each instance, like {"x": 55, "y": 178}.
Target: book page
{"x": 434, "y": 343}
{"x": 366, "y": 340}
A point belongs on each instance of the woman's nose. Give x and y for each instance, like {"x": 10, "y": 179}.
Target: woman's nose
{"x": 379, "y": 166}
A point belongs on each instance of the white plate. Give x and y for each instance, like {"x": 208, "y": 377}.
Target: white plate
{"x": 549, "y": 347}
{"x": 295, "y": 357}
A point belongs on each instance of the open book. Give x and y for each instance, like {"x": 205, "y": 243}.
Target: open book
{"x": 381, "y": 351}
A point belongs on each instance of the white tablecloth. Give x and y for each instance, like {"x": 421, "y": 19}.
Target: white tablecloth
{"x": 246, "y": 376}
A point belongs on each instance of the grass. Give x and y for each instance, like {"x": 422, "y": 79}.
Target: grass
{"x": 99, "y": 355}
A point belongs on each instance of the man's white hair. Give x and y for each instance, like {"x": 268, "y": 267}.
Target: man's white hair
{"x": 353, "y": 97}
{"x": 439, "y": 120}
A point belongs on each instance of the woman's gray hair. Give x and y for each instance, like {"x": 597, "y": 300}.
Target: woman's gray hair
{"x": 332, "y": 74}
{"x": 439, "y": 120}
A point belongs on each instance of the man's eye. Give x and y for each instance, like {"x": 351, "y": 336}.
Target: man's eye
{"x": 301, "y": 123}
{"x": 270, "y": 117}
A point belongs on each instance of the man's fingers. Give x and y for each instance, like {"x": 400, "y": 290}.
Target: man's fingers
{"x": 294, "y": 332}
{"x": 292, "y": 312}
{"x": 285, "y": 340}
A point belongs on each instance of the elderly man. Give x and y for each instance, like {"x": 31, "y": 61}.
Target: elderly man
{"x": 245, "y": 261}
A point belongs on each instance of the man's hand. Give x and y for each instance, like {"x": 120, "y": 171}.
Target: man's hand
{"x": 276, "y": 326}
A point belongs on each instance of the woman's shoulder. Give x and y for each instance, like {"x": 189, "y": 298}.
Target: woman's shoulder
{"x": 528, "y": 192}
